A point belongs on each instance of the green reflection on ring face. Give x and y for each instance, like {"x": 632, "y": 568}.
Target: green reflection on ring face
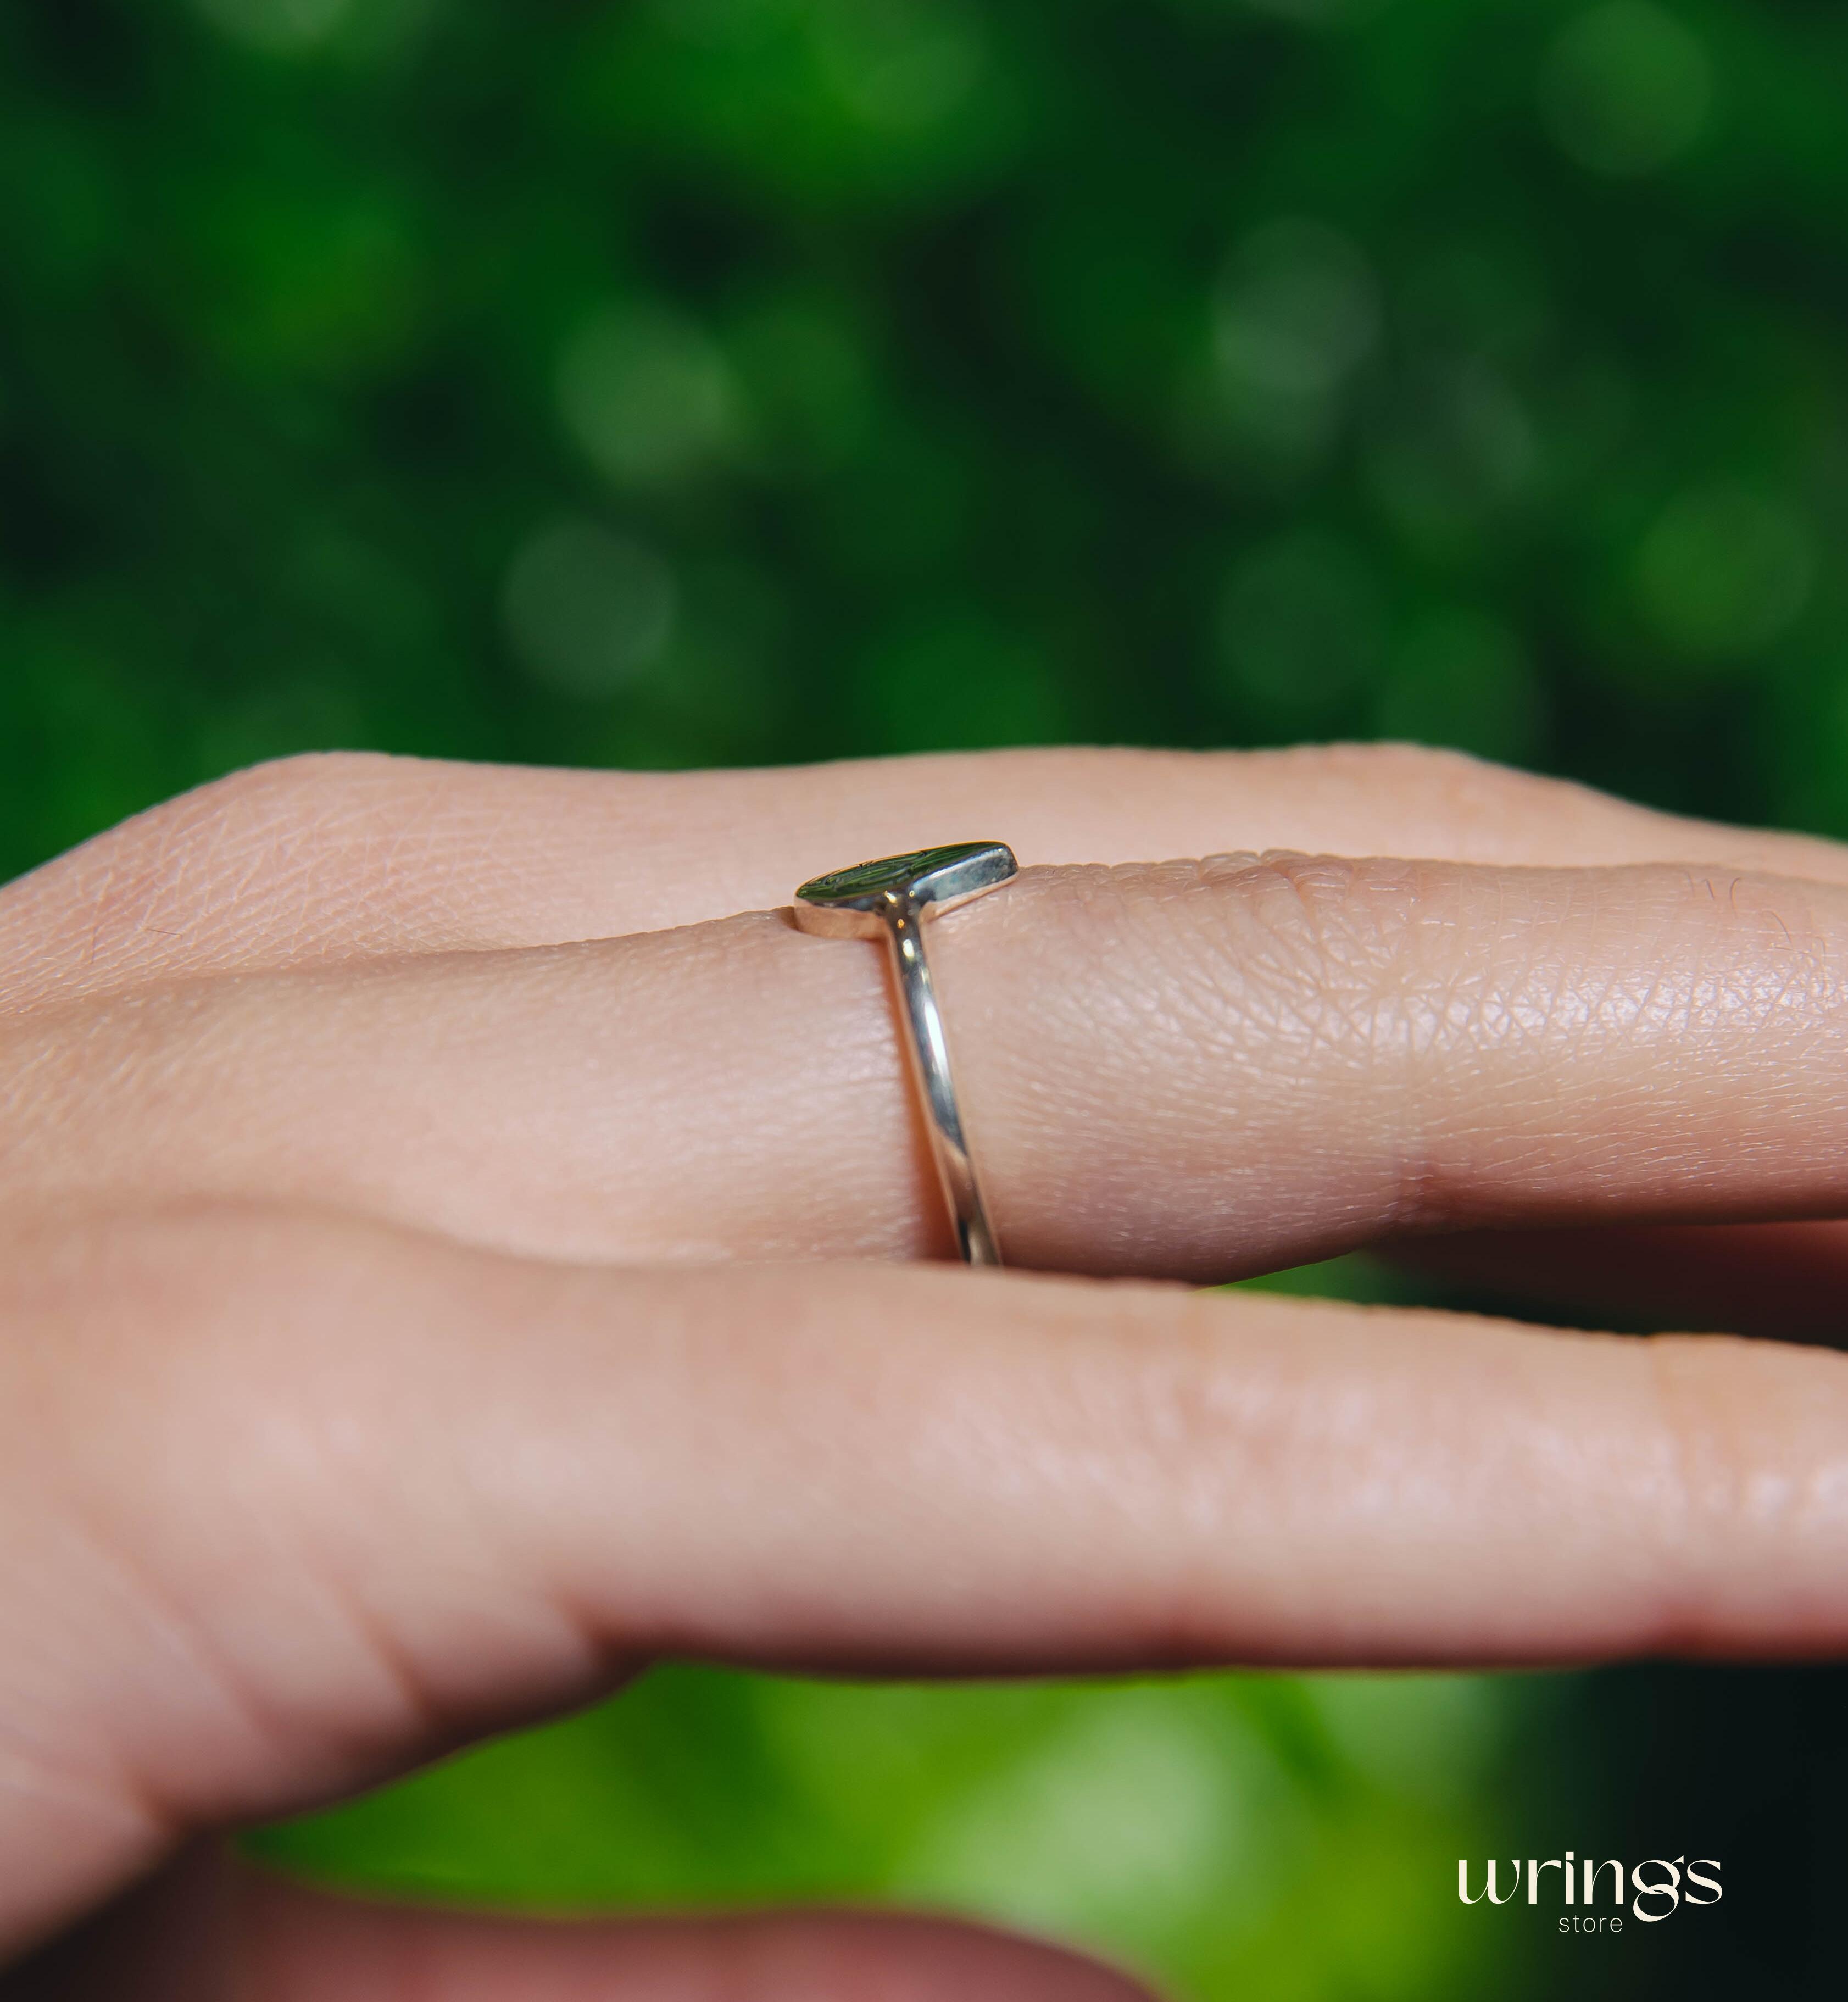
{"x": 902, "y": 873}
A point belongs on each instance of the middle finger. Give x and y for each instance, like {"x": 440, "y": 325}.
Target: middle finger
{"x": 1195, "y": 1069}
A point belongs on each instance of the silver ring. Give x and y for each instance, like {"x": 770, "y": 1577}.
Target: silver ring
{"x": 893, "y": 898}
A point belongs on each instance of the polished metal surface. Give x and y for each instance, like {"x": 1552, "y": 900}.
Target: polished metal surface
{"x": 892, "y": 898}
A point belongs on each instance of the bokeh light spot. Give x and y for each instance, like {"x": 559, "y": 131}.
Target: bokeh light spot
{"x": 586, "y": 608}
{"x": 281, "y": 27}
{"x": 1425, "y": 1736}
{"x": 1297, "y": 312}
{"x": 648, "y": 395}
{"x": 897, "y": 65}
{"x": 1724, "y": 571}
{"x": 1626, "y": 88}
{"x": 1128, "y": 1817}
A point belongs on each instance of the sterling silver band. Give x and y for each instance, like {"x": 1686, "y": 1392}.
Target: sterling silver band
{"x": 892, "y": 898}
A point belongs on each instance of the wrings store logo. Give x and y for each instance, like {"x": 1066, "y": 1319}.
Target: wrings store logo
{"x": 1657, "y": 1889}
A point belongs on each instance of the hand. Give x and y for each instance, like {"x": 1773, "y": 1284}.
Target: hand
{"x": 414, "y": 1318}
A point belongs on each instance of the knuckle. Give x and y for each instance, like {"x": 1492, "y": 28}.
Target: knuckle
{"x": 1478, "y": 810}
{"x": 242, "y": 856}
{"x": 1434, "y": 777}
{"x": 1400, "y": 760}
{"x": 1698, "y": 1469}
{"x": 263, "y": 803}
{"x": 1748, "y": 1472}
{"x": 1323, "y": 934}
{"x": 278, "y": 794}
{"x": 301, "y": 772}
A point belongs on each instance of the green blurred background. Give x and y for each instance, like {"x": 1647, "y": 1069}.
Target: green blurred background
{"x": 693, "y": 381}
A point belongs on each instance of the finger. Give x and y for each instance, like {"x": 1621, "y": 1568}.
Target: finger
{"x": 286, "y": 1505}
{"x": 217, "y": 1930}
{"x": 1197, "y": 1071}
{"x": 1786, "y": 1281}
{"x": 326, "y": 857}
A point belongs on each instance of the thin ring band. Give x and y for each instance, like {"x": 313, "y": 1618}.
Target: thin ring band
{"x": 930, "y": 1065}
{"x": 892, "y": 898}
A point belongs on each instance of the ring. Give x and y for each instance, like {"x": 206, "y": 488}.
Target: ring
{"x": 893, "y": 898}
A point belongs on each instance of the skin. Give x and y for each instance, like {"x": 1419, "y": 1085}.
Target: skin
{"x": 461, "y": 1242}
